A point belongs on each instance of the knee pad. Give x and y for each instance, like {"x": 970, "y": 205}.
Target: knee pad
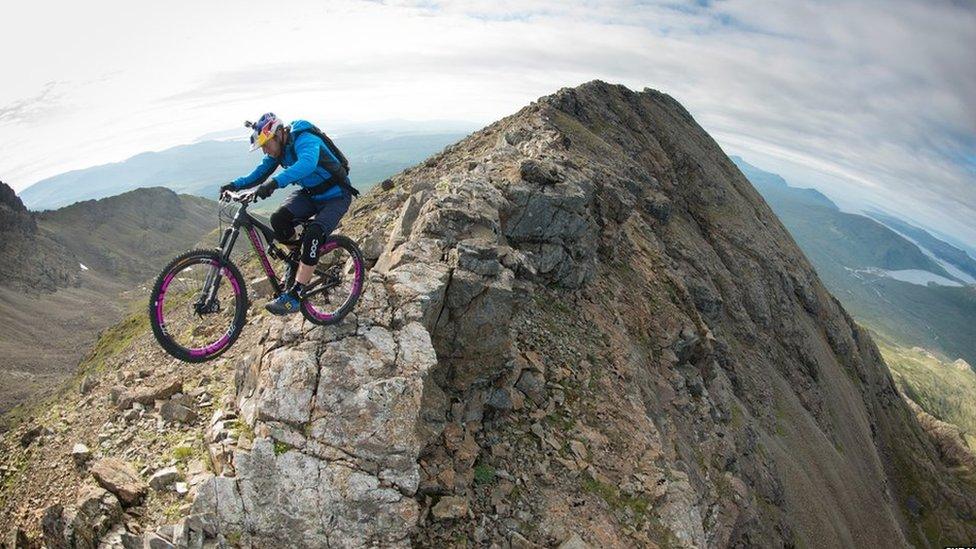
{"x": 312, "y": 239}
{"x": 283, "y": 223}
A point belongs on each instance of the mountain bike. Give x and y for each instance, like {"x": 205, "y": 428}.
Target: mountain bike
{"x": 199, "y": 303}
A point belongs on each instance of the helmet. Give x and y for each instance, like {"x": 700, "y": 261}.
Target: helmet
{"x": 264, "y": 129}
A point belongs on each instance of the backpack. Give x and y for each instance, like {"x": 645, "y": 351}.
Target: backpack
{"x": 340, "y": 171}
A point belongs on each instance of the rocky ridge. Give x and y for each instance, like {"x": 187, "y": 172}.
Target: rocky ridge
{"x": 583, "y": 326}
{"x": 729, "y": 398}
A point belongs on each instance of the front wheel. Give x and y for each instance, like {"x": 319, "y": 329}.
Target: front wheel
{"x": 198, "y": 306}
{"x": 337, "y": 283}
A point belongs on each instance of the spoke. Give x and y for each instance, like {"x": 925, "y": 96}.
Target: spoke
{"x": 192, "y": 320}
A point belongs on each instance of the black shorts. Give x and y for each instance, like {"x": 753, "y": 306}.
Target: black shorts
{"x": 324, "y": 213}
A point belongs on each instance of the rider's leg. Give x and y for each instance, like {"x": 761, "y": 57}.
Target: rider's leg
{"x": 283, "y": 222}
{"x": 326, "y": 220}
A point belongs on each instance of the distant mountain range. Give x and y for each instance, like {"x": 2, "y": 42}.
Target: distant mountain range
{"x": 200, "y": 168}
{"x": 908, "y": 294}
{"x": 63, "y": 272}
{"x": 956, "y": 258}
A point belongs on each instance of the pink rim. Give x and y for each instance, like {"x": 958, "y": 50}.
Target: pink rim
{"x": 213, "y": 347}
{"x": 357, "y": 284}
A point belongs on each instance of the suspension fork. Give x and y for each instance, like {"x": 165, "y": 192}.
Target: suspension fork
{"x": 212, "y": 283}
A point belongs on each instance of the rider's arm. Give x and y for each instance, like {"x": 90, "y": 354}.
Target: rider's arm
{"x": 259, "y": 175}
{"x": 307, "y": 151}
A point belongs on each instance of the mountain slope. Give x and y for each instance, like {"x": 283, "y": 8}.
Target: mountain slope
{"x": 942, "y": 388}
{"x": 852, "y": 254}
{"x": 854, "y": 241}
{"x": 200, "y": 168}
{"x": 32, "y": 258}
{"x": 584, "y": 325}
{"x": 62, "y": 274}
{"x": 128, "y": 235}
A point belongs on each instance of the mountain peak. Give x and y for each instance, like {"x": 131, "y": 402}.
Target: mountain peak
{"x": 9, "y": 198}
{"x": 581, "y": 321}
{"x": 13, "y": 215}
{"x": 590, "y": 273}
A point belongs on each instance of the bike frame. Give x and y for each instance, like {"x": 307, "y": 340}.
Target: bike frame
{"x": 251, "y": 225}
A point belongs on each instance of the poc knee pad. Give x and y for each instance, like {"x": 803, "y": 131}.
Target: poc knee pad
{"x": 313, "y": 238}
{"x": 283, "y": 223}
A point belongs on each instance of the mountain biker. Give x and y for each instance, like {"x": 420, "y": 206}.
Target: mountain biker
{"x": 312, "y": 162}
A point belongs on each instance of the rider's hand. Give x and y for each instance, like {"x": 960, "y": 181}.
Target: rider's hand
{"x": 227, "y": 187}
{"x": 266, "y": 188}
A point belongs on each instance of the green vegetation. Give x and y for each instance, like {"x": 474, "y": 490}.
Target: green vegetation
{"x": 484, "y": 474}
{"x": 633, "y": 510}
{"x": 617, "y": 501}
{"x": 579, "y": 133}
{"x": 280, "y": 447}
{"x": 940, "y": 249}
{"x": 183, "y": 453}
{"x": 942, "y": 388}
{"x": 849, "y": 252}
{"x": 114, "y": 340}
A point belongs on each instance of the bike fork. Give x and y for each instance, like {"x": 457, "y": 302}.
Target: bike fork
{"x": 212, "y": 283}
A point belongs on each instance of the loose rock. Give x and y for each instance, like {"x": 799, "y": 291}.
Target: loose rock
{"x": 163, "y": 478}
{"x": 119, "y": 478}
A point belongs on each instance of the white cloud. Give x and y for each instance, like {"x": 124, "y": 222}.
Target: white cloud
{"x": 876, "y": 96}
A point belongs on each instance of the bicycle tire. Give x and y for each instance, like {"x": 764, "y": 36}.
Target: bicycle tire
{"x": 157, "y": 322}
{"x": 359, "y": 267}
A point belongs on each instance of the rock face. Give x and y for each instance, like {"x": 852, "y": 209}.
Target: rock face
{"x": 585, "y": 327}
{"x": 84, "y": 524}
{"x": 32, "y": 260}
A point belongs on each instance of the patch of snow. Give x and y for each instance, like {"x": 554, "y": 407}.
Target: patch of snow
{"x": 83, "y": 268}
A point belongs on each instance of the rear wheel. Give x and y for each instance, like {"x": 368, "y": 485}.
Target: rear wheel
{"x": 337, "y": 283}
{"x": 189, "y": 322}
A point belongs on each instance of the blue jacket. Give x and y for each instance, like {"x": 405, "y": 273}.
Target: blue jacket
{"x": 300, "y": 158}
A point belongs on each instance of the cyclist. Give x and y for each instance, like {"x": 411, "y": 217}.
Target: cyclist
{"x": 315, "y": 164}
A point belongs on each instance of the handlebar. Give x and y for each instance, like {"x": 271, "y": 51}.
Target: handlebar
{"x": 244, "y": 197}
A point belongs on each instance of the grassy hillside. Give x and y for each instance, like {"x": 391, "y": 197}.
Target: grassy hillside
{"x": 126, "y": 237}
{"x": 941, "y": 387}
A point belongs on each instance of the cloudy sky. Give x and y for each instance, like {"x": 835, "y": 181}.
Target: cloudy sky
{"x": 872, "y": 102}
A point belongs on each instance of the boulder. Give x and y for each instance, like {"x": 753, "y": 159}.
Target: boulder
{"x": 148, "y": 395}
{"x": 539, "y": 173}
{"x": 87, "y": 384}
{"x": 164, "y": 478}
{"x": 32, "y": 434}
{"x": 450, "y": 507}
{"x": 80, "y": 454}
{"x": 172, "y": 410}
{"x": 83, "y": 525}
{"x": 118, "y": 477}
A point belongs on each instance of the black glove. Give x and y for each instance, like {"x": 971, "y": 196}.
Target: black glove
{"x": 266, "y": 188}
{"x": 227, "y": 187}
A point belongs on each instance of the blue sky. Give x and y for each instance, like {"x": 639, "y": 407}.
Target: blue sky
{"x": 872, "y": 102}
